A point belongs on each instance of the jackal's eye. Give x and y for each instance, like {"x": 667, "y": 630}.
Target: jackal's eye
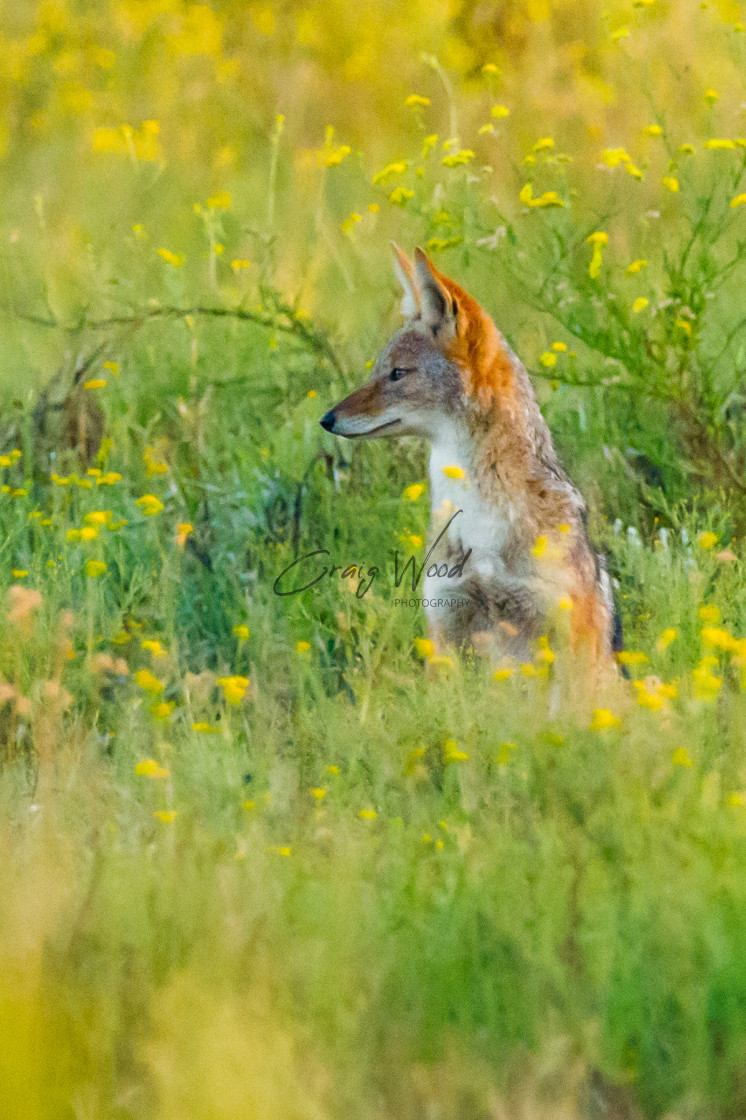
{"x": 397, "y": 373}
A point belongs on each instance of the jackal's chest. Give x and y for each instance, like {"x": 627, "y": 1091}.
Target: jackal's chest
{"x": 493, "y": 591}
{"x": 472, "y": 523}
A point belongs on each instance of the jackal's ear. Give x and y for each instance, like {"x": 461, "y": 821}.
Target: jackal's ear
{"x": 410, "y": 304}
{"x": 439, "y": 309}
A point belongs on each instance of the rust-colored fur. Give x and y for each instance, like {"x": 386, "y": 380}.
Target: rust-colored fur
{"x": 450, "y": 376}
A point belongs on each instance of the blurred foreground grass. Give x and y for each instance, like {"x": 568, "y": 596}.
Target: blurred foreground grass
{"x": 258, "y": 862}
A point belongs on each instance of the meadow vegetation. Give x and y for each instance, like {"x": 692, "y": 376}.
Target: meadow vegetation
{"x": 266, "y": 856}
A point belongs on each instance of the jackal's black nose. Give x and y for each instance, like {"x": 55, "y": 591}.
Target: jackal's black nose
{"x": 327, "y": 421}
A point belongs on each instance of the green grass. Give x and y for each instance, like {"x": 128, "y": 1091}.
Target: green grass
{"x": 564, "y": 900}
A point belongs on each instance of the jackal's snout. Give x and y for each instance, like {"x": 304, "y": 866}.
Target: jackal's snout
{"x": 327, "y": 420}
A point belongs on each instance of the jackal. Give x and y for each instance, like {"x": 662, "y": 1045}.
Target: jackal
{"x": 449, "y": 375}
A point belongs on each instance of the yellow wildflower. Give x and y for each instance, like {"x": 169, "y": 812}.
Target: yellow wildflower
{"x": 738, "y": 201}
{"x": 318, "y": 793}
{"x": 95, "y": 383}
{"x": 451, "y": 752}
{"x": 413, "y": 492}
{"x": 603, "y": 719}
{"x": 631, "y": 657}
{"x": 548, "y": 359}
{"x": 612, "y": 157}
{"x": 425, "y": 648}
{"x": 454, "y": 472}
{"x": 171, "y": 258}
{"x": 707, "y": 540}
{"x": 166, "y": 816}
{"x": 711, "y": 96}
{"x": 547, "y": 199}
{"x": 302, "y": 647}
{"x": 335, "y": 157}
{"x": 670, "y": 182}
{"x": 652, "y": 130}
{"x": 560, "y": 347}
{"x": 183, "y": 530}
{"x": 718, "y": 638}
{"x": 706, "y": 684}
{"x": 709, "y": 613}
{"x": 720, "y": 144}
{"x": 401, "y": 195}
{"x": 393, "y": 169}
{"x": 500, "y": 111}
{"x": 664, "y": 641}
{"x": 149, "y": 504}
{"x": 164, "y": 709}
{"x": 652, "y": 700}
{"x": 98, "y": 517}
{"x": 350, "y": 222}
{"x": 680, "y": 757}
{"x": 234, "y": 688}
{"x": 636, "y": 266}
{"x": 148, "y": 682}
{"x": 505, "y": 752}
{"x": 503, "y": 674}
{"x": 154, "y": 462}
{"x": 530, "y": 670}
{"x": 149, "y": 768}
{"x": 639, "y": 305}
{"x": 368, "y": 814}
{"x": 94, "y": 568}
{"x": 220, "y": 201}
{"x": 242, "y": 631}
{"x": 598, "y": 240}
{"x": 415, "y": 100}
